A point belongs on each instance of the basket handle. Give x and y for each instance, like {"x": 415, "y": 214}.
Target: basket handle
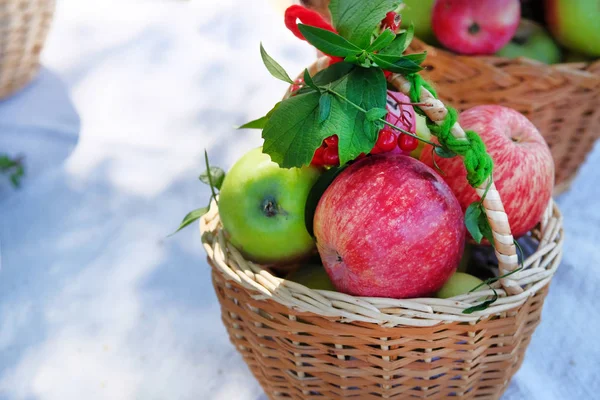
{"x": 505, "y": 249}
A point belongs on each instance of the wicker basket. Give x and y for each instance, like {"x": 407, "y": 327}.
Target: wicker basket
{"x": 562, "y": 100}
{"x": 313, "y": 344}
{"x": 24, "y": 25}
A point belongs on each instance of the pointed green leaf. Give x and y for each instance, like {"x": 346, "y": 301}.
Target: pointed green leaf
{"x": 332, "y": 73}
{"x": 400, "y": 44}
{"x": 386, "y": 37}
{"x": 472, "y": 215}
{"x": 261, "y": 122}
{"x": 328, "y": 42}
{"x": 258, "y": 123}
{"x": 308, "y": 80}
{"x": 274, "y": 68}
{"x": 356, "y": 21}
{"x": 417, "y": 58}
{"x": 375, "y": 113}
{"x": 324, "y": 107}
{"x": 216, "y": 174}
{"x": 402, "y": 66}
{"x": 191, "y": 217}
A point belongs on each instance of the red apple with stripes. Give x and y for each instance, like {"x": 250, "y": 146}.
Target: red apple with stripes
{"x": 389, "y": 226}
{"x": 523, "y": 165}
{"x": 475, "y": 26}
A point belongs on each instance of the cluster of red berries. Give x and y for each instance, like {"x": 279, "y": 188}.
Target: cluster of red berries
{"x": 327, "y": 154}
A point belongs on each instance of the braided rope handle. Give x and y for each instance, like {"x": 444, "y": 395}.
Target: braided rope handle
{"x": 505, "y": 249}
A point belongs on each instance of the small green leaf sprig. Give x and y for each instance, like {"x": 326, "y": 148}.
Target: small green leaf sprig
{"x": 213, "y": 177}
{"x": 13, "y": 168}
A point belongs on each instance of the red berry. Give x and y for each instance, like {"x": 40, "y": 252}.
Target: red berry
{"x": 331, "y": 141}
{"x": 331, "y": 156}
{"x": 386, "y": 140}
{"x": 407, "y": 143}
{"x": 298, "y": 83}
{"x": 318, "y": 157}
{"x": 392, "y": 20}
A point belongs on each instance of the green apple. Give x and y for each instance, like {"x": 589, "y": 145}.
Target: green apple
{"x": 312, "y": 276}
{"x": 423, "y": 132}
{"x": 459, "y": 283}
{"x": 532, "y": 41}
{"x": 418, "y": 12}
{"x": 262, "y": 208}
{"x": 575, "y": 24}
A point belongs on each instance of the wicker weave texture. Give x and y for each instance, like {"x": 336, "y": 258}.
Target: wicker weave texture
{"x": 296, "y": 355}
{"x": 24, "y": 25}
{"x": 562, "y": 101}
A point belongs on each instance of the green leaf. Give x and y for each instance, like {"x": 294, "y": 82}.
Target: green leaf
{"x": 400, "y": 44}
{"x": 402, "y": 66}
{"x": 356, "y": 21}
{"x": 258, "y": 123}
{"x": 444, "y": 152}
{"x": 481, "y": 306}
{"x": 324, "y": 107}
{"x": 486, "y": 229}
{"x": 417, "y": 58}
{"x": 366, "y": 88}
{"x": 386, "y": 37}
{"x": 293, "y": 132}
{"x": 274, "y": 68}
{"x": 191, "y": 217}
{"x": 209, "y": 177}
{"x": 308, "y": 80}
{"x": 217, "y": 175}
{"x": 375, "y": 113}
{"x": 316, "y": 192}
{"x": 472, "y": 216}
{"x": 328, "y": 42}
{"x": 332, "y": 73}
{"x": 261, "y": 122}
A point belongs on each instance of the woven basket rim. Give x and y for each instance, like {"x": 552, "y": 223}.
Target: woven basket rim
{"x": 586, "y": 69}
{"x": 539, "y": 269}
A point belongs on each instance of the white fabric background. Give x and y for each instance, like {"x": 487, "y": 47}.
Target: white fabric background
{"x": 95, "y": 301}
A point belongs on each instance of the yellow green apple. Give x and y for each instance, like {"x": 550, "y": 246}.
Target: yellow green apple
{"x": 423, "y": 132}
{"x": 532, "y": 41}
{"x": 575, "y": 24}
{"x": 459, "y": 283}
{"x": 262, "y": 208}
{"x": 418, "y": 12}
{"x": 312, "y": 276}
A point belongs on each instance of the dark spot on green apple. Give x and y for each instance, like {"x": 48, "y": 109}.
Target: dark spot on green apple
{"x": 270, "y": 208}
{"x": 474, "y": 28}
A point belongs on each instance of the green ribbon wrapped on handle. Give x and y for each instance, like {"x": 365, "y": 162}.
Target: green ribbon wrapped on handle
{"x": 478, "y": 163}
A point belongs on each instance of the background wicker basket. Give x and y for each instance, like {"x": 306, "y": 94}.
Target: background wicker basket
{"x": 313, "y": 344}
{"x": 24, "y": 25}
{"x": 562, "y": 100}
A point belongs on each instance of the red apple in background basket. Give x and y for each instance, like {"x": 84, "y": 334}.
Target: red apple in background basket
{"x": 475, "y": 26}
{"x": 523, "y": 165}
{"x": 389, "y": 226}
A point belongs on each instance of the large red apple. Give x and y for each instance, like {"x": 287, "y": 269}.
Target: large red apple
{"x": 523, "y": 165}
{"x": 475, "y": 26}
{"x": 389, "y": 226}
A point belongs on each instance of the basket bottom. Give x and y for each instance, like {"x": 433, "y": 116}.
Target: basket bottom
{"x": 305, "y": 356}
